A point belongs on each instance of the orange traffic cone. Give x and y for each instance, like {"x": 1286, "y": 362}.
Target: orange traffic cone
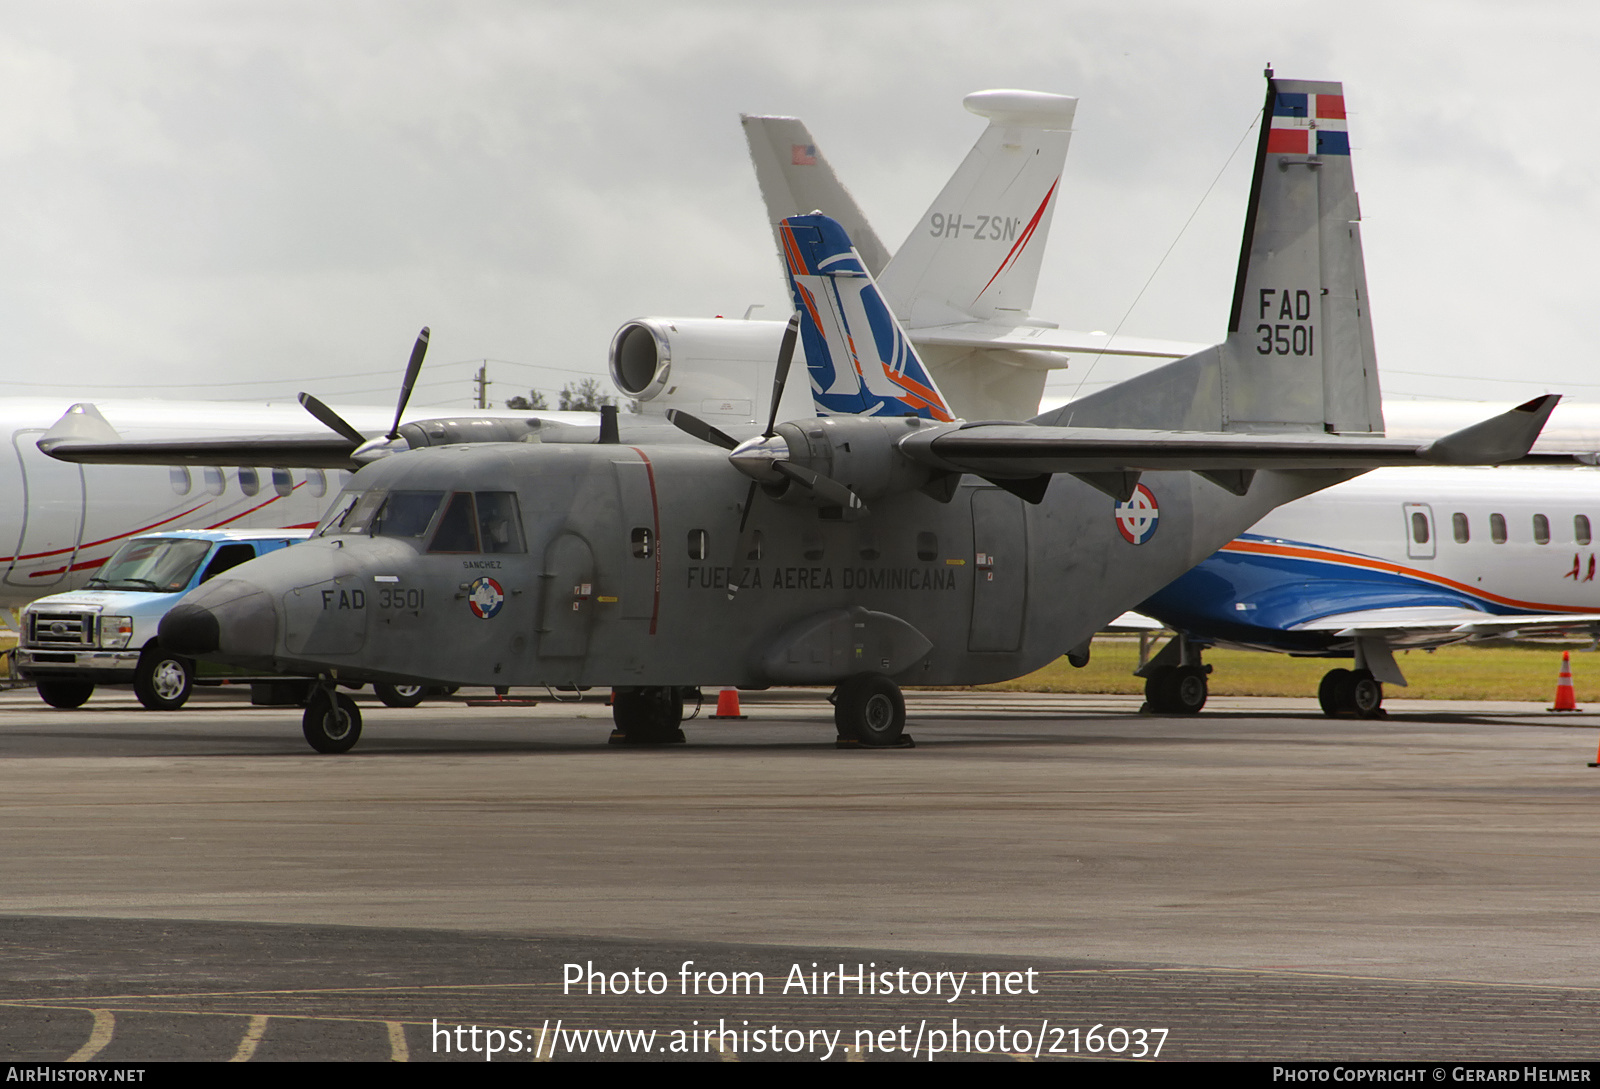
{"x": 728, "y": 704}
{"x": 1564, "y": 697}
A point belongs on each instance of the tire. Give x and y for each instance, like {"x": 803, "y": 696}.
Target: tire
{"x": 332, "y": 722}
{"x": 1364, "y": 695}
{"x": 400, "y": 695}
{"x": 1188, "y": 690}
{"x": 66, "y": 694}
{"x": 648, "y": 715}
{"x": 1158, "y": 695}
{"x": 163, "y": 681}
{"x": 870, "y": 709}
{"x": 1333, "y": 692}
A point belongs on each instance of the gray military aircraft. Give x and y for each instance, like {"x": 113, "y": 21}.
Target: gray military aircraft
{"x": 881, "y": 543}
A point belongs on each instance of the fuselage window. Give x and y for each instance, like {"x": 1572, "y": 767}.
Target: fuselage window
{"x": 406, "y": 514}
{"x": 214, "y": 481}
{"x": 1497, "y": 528}
{"x": 500, "y": 522}
{"x": 755, "y": 546}
{"x": 282, "y": 482}
{"x": 697, "y": 544}
{"x": 1541, "y": 529}
{"x": 1580, "y": 528}
{"x": 317, "y": 482}
{"x": 249, "y": 482}
{"x": 641, "y": 543}
{"x": 458, "y": 529}
{"x": 181, "y": 481}
{"x": 1463, "y": 531}
{"x": 811, "y": 546}
{"x": 927, "y": 546}
{"x": 1419, "y": 527}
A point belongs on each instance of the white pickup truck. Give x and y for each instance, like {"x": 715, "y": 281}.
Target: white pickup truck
{"x": 106, "y": 632}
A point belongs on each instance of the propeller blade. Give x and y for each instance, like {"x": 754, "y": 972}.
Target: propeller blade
{"x": 694, "y": 425}
{"x": 741, "y": 555}
{"x": 412, "y": 369}
{"x": 780, "y": 375}
{"x": 825, "y": 487}
{"x": 331, "y": 419}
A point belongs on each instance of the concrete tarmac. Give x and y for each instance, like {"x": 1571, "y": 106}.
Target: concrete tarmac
{"x": 1256, "y": 882}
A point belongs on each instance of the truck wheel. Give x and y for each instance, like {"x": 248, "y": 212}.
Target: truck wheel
{"x": 163, "y": 681}
{"x": 66, "y": 694}
{"x": 332, "y": 724}
{"x": 400, "y": 695}
{"x": 870, "y": 709}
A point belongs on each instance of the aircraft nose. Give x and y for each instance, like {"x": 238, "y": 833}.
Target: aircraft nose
{"x": 226, "y": 618}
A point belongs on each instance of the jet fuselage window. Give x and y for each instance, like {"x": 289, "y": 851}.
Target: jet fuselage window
{"x": 282, "y": 481}
{"x": 1419, "y": 527}
{"x": 214, "y": 481}
{"x": 249, "y": 481}
{"x": 1541, "y": 529}
{"x": 317, "y": 482}
{"x": 406, "y": 514}
{"x": 1463, "y": 532}
{"x": 1497, "y": 528}
{"x": 1580, "y": 528}
{"x": 181, "y": 481}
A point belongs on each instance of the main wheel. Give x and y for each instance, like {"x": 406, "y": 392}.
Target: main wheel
{"x": 163, "y": 681}
{"x": 1364, "y": 695}
{"x": 648, "y": 715}
{"x": 400, "y": 695}
{"x": 1158, "y": 695}
{"x": 869, "y": 709}
{"x": 1334, "y": 691}
{"x": 66, "y": 694}
{"x": 1188, "y": 690}
{"x": 332, "y": 722}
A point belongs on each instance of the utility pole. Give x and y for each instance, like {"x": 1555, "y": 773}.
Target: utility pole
{"x": 483, "y": 384}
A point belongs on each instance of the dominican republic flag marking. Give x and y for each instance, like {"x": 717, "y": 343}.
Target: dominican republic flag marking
{"x": 1299, "y": 118}
{"x": 1137, "y": 518}
{"x": 803, "y": 154}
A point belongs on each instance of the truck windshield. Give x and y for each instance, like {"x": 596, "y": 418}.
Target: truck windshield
{"x": 162, "y": 565}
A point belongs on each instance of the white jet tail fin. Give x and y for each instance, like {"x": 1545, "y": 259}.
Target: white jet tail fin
{"x": 795, "y": 178}
{"x": 1299, "y": 354}
{"x": 974, "y": 255}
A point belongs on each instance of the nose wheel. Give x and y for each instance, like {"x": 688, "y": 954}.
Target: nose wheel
{"x": 332, "y": 724}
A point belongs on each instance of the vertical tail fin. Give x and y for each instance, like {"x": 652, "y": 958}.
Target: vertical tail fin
{"x": 1299, "y": 355}
{"x": 975, "y": 253}
{"x": 861, "y": 362}
{"x": 795, "y": 178}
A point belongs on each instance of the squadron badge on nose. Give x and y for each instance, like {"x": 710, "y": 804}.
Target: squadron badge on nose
{"x": 485, "y": 597}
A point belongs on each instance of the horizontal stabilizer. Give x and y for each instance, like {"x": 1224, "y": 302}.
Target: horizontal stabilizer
{"x": 1505, "y": 437}
{"x": 275, "y": 451}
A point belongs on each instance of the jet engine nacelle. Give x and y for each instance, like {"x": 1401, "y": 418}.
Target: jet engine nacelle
{"x": 859, "y": 452}
{"x": 715, "y": 368}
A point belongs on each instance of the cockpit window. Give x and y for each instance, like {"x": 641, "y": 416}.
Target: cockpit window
{"x": 481, "y": 522}
{"x": 351, "y": 513}
{"x": 458, "y": 529}
{"x": 155, "y": 564}
{"x": 406, "y": 514}
{"x": 500, "y": 522}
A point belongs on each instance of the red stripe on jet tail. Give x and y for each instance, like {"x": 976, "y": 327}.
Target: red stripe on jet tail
{"x": 655, "y": 517}
{"x": 1021, "y": 243}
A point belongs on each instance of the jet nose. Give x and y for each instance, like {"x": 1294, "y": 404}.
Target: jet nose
{"x": 229, "y": 619}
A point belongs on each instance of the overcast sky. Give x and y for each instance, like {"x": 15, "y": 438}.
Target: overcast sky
{"x": 244, "y": 199}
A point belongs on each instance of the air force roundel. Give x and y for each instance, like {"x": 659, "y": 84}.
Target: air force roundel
{"x": 485, "y": 597}
{"x": 1137, "y": 518}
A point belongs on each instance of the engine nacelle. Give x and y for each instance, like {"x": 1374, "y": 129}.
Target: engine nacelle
{"x": 857, "y": 451}
{"x": 715, "y": 368}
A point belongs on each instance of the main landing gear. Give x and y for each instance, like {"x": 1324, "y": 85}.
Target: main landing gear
{"x": 647, "y": 716}
{"x": 1350, "y": 692}
{"x": 869, "y": 711}
{"x": 1175, "y": 679}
